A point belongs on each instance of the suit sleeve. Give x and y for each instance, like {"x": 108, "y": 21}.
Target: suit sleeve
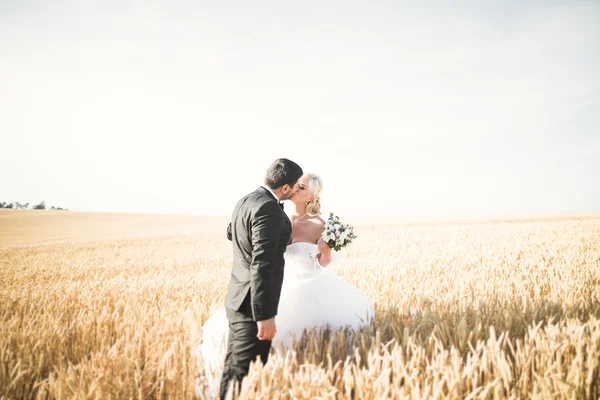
{"x": 229, "y": 231}
{"x": 266, "y": 232}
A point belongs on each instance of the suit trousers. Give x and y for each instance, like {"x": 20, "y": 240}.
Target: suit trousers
{"x": 243, "y": 346}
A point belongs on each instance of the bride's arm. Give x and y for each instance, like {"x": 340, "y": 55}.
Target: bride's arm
{"x": 324, "y": 257}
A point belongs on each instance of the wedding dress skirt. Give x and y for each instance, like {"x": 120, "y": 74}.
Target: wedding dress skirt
{"x": 311, "y": 297}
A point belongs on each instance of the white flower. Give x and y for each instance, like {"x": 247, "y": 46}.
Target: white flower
{"x": 332, "y": 236}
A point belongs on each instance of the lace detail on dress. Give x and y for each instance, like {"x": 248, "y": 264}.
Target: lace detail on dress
{"x": 301, "y": 261}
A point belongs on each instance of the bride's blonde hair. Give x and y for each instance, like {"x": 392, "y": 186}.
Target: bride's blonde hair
{"x": 315, "y": 185}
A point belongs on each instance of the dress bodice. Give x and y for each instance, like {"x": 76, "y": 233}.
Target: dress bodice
{"x": 300, "y": 261}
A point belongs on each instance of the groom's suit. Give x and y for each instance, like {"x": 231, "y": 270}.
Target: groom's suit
{"x": 259, "y": 231}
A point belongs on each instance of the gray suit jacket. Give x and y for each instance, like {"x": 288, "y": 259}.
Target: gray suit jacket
{"x": 260, "y": 232}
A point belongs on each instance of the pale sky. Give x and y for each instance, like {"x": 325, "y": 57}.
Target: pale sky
{"x": 175, "y": 106}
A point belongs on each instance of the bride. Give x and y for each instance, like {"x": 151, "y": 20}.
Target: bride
{"x": 312, "y": 295}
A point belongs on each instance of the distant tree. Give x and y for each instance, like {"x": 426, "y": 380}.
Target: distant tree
{"x": 21, "y": 206}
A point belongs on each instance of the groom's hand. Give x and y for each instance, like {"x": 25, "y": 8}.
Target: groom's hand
{"x": 266, "y": 329}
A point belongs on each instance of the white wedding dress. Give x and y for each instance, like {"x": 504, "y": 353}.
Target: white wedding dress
{"x": 311, "y": 297}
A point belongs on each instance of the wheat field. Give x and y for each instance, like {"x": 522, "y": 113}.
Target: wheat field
{"x": 110, "y": 306}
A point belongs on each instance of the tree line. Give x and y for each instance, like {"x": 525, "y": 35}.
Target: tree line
{"x": 18, "y": 206}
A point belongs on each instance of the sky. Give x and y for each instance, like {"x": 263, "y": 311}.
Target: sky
{"x": 448, "y": 108}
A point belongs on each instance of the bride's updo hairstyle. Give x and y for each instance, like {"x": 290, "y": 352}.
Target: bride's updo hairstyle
{"x": 313, "y": 207}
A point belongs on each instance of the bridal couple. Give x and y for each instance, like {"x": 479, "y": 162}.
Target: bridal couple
{"x": 281, "y": 280}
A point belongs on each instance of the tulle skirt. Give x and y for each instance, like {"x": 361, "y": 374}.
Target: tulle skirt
{"x": 321, "y": 300}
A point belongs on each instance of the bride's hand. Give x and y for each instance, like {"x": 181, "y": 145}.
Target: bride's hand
{"x": 323, "y": 247}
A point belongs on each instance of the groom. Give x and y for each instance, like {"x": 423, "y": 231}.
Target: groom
{"x": 260, "y": 232}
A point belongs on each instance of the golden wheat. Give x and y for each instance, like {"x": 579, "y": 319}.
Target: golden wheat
{"x": 109, "y": 306}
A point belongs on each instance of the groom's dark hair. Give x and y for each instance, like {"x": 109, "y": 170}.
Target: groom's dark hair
{"x": 281, "y": 172}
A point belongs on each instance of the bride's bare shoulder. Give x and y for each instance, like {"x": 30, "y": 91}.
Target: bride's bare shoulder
{"x": 319, "y": 225}
{"x": 320, "y": 221}
{"x": 315, "y": 224}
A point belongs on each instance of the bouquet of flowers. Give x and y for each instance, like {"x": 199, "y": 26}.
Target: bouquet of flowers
{"x": 336, "y": 234}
